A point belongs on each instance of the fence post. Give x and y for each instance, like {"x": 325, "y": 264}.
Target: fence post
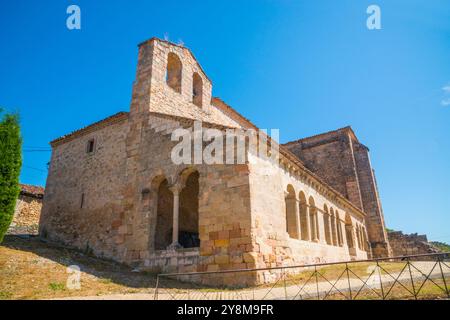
{"x": 284, "y": 280}
{"x": 317, "y": 282}
{"x": 348, "y": 280}
{"x": 411, "y": 277}
{"x": 443, "y": 277}
{"x": 156, "y": 288}
{"x": 381, "y": 280}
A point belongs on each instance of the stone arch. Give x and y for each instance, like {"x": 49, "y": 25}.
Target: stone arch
{"x": 361, "y": 237}
{"x": 313, "y": 220}
{"x": 304, "y": 218}
{"x": 197, "y": 89}
{"x": 358, "y": 236}
{"x": 366, "y": 243}
{"x": 349, "y": 231}
{"x": 291, "y": 212}
{"x": 188, "y": 226}
{"x": 183, "y": 174}
{"x": 334, "y": 239}
{"x": 164, "y": 213}
{"x": 326, "y": 224}
{"x": 174, "y": 72}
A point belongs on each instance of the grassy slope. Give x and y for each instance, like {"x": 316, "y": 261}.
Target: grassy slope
{"x": 30, "y": 269}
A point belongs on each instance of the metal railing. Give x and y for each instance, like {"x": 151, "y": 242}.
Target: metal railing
{"x": 423, "y": 276}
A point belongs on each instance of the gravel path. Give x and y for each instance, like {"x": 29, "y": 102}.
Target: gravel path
{"x": 309, "y": 290}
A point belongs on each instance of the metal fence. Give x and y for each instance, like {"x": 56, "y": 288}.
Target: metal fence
{"x": 424, "y": 276}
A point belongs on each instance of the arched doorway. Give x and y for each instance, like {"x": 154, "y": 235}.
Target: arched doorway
{"x": 164, "y": 216}
{"x": 188, "y": 234}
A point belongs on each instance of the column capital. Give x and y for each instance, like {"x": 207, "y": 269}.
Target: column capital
{"x": 176, "y": 188}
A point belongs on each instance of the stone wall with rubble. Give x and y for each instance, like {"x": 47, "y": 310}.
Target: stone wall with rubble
{"x": 26, "y": 215}
{"x": 410, "y": 244}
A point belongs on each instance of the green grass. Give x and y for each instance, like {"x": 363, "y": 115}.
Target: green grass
{"x": 4, "y": 295}
{"x": 57, "y": 286}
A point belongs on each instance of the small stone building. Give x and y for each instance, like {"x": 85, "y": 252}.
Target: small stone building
{"x": 113, "y": 188}
{"x": 28, "y": 210}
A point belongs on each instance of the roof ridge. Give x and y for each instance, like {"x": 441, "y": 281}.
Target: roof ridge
{"x": 321, "y": 134}
{"x": 111, "y": 119}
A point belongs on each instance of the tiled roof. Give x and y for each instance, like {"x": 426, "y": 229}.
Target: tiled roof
{"x": 94, "y": 126}
{"x": 30, "y": 190}
{"x": 340, "y": 130}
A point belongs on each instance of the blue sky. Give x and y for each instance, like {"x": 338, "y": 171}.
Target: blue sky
{"x": 304, "y": 67}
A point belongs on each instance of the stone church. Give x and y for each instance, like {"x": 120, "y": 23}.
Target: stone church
{"x": 113, "y": 190}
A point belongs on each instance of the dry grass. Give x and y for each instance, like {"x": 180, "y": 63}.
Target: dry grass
{"x": 30, "y": 269}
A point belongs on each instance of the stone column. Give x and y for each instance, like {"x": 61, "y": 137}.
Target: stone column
{"x": 297, "y": 219}
{"x": 314, "y": 223}
{"x": 308, "y": 224}
{"x": 176, "y": 210}
{"x": 342, "y": 233}
{"x": 318, "y": 233}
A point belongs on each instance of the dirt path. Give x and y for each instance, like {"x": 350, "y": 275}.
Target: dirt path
{"x": 297, "y": 292}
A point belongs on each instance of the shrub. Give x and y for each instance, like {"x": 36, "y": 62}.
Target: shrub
{"x": 10, "y": 164}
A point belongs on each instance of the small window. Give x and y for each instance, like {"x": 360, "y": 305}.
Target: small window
{"x": 90, "y": 146}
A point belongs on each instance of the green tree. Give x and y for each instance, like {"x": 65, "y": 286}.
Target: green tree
{"x": 10, "y": 164}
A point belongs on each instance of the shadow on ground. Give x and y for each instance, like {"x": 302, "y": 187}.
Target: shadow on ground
{"x": 99, "y": 268}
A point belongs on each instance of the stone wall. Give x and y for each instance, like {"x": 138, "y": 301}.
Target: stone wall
{"x": 344, "y": 163}
{"x": 410, "y": 244}
{"x": 82, "y": 204}
{"x": 274, "y": 247}
{"x": 223, "y": 208}
{"x": 26, "y": 215}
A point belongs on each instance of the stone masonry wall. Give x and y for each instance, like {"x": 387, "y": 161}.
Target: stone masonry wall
{"x": 273, "y": 245}
{"x": 331, "y": 157}
{"x": 82, "y": 202}
{"x": 344, "y": 163}
{"x": 376, "y": 227}
{"x": 224, "y": 209}
{"x": 410, "y": 244}
{"x": 26, "y": 216}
